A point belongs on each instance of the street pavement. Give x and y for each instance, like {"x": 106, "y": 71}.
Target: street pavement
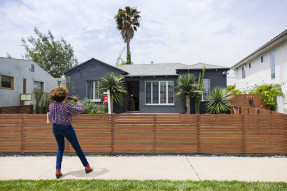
{"x": 169, "y": 167}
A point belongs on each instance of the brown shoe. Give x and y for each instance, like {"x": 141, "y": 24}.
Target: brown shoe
{"x": 58, "y": 173}
{"x": 88, "y": 169}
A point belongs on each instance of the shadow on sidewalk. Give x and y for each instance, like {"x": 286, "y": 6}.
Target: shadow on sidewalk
{"x": 82, "y": 174}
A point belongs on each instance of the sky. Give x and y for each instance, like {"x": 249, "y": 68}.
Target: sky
{"x": 218, "y": 32}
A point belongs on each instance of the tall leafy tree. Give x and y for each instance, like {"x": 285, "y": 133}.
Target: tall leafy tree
{"x": 187, "y": 87}
{"x": 128, "y": 22}
{"x": 115, "y": 83}
{"x": 54, "y": 56}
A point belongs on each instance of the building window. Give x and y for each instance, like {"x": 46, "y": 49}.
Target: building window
{"x": 250, "y": 65}
{"x": 160, "y": 92}
{"x": 92, "y": 90}
{"x": 39, "y": 86}
{"x": 206, "y": 89}
{"x": 243, "y": 72}
{"x": 262, "y": 59}
{"x": 6, "y": 82}
{"x": 272, "y": 64}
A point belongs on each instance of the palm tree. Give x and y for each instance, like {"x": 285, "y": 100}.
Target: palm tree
{"x": 218, "y": 101}
{"x": 115, "y": 83}
{"x": 127, "y": 22}
{"x": 187, "y": 87}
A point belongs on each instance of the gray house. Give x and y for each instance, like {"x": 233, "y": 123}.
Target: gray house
{"x": 150, "y": 87}
{"x": 20, "y": 76}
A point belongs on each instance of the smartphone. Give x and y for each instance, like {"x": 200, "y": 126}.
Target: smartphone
{"x": 69, "y": 98}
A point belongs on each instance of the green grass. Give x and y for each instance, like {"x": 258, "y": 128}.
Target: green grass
{"x": 124, "y": 185}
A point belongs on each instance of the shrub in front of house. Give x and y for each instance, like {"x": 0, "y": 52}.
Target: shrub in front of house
{"x": 94, "y": 108}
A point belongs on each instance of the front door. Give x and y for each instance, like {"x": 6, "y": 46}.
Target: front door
{"x": 132, "y": 96}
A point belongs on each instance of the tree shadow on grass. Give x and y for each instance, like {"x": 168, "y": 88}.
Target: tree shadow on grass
{"x": 82, "y": 174}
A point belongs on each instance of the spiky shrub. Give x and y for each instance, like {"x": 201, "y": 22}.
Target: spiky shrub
{"x": 218, "y": 101}
{"x": 186, "y": 88}
{"x": 115, "y": 83}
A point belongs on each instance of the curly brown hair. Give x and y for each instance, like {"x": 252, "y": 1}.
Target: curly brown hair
{"x": 58, "y": 94}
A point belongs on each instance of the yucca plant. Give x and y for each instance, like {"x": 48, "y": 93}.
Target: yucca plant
{"x": 218, "y": 101}
{"x": 115, "y": 83}
{"x": 186, "y": 88}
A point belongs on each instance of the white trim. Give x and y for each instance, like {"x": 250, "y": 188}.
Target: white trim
{"x": 95, "y": 100}
{"x": 159, "y": 104}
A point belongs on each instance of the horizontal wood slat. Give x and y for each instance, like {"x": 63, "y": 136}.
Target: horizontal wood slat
{"x": 150, "y": 133}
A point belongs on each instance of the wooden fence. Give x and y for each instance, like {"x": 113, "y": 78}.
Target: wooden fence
{"x": 150, "y": 133}
{"x": 248, "y": 100}
{"x": 251, "y": 110}
{"x": 17, "y": 109}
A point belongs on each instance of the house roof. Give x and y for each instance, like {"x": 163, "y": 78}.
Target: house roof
{"x": 167, "y": 69}
{"x": 274, "y": 41}
{"x": 18, "y": 62}
{"x": 200, "y": 66}
{"x": 15, "y": 60}
{"x": 92, "y": 59}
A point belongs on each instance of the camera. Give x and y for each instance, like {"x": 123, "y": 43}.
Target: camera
{"x": 69, "y": 98}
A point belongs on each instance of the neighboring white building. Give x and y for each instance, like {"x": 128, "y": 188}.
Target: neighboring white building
{"x": 267, "y": 64}
{"x": 18, "y": 76}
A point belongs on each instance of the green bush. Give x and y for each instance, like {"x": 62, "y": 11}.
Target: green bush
{"x": 231, "y": 89}
{"x": 268, "y": 93}
{"x": 94, "y": 108}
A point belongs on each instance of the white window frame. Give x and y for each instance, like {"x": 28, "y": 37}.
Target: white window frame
{"x": 243, "y": 72}
{"x": 161, "y": 104}
{"x": 94, "y": 91}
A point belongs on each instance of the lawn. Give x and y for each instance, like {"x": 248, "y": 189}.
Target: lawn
{"x": 116, "y": 185}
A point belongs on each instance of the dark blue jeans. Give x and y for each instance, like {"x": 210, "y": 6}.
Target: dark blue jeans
{"x": 67, "y": 131}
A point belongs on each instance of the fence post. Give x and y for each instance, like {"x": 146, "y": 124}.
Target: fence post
{"x": 22, "y": 133}
{"x": 198, "y": 133}
{"x": 243, "y": 144}
{"x": 112, "y": 132}
{"x": 154, "y": 134}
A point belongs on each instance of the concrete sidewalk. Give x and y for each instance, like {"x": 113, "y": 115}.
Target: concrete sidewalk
{"x": 148, "y": 168}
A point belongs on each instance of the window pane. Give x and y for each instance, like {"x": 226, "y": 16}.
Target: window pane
{"x": 90, "y": 90}
{"x": 155, "y": 92}
{"x": 96, "y": 90}
{"x": 38, "y": 85}
{"x": 243, "y": 72}
{"x": 162, "y": 92}
{"x": 148, "y": 92}
{"x": 206, "y": 88}
{"x": 6, "y": 82}
{"x": 272, "y": 64}
{"x": 170, "y": 92}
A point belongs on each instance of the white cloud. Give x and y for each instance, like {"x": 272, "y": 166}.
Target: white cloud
{"x": 187, "y": 31}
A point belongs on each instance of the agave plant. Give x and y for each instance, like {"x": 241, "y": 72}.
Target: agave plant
{"x": 187, "y": 87}
{"x": 115, "y": 83}
{"x": 218, "y": 101}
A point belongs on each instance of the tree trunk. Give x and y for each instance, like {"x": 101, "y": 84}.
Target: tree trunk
{"x": 112, "y": 105}
{"x": 129, "y": 60}
{"x": 187, "y": 104}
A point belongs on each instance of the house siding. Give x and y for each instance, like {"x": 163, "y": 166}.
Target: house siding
{"x": 91, "y": 71}
{"x": 86, "y": 72}
{"x": 19, "y": 70}
{"x": 260, "y": 73}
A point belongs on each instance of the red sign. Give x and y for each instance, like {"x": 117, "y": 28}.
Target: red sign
{"x": 106, "y": 99}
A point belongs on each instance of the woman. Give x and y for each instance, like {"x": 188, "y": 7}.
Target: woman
{"x": 60, "y": 115}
